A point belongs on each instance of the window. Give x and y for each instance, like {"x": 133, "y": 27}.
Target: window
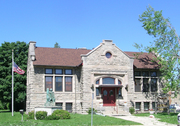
{"x": 58, "y": 84}
{"x": 48, "y": 83}
{"x": 61, "y": 80}
{"x": 104, "y": 93}
{"x": 59, "y": 71}
{"x": 120, "y": 92}
{"x": 108, "y": 80}
{"x": 153, "y": 84}
{"x": 145, "y": 73}
{"x": 97, "y": 91}
{"x": 146, "y": 106}
{"x": 49, "y": 71}
{"x": 119, "y": 82}
{"x": 69, "y": 107}
{"x": 153, "y": 74}
{"x": 149, "y": 80}
{"x": 108, "y": 55}
{"x": 153, "y": 105}
{"x": 59, "y": 105}
{"x": 111, "y": 93}
{"x": 68, "y": 71}
{"x": 138, "y": 106}
{"x": 68, "y": 83}
{"x": 137, "y": 73}
{"x": 97, "y": 82}
{"x": 137, "y": 85}
{"x": 145, "y": 85}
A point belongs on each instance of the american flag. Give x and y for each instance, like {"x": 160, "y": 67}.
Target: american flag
{"x": 17, "y": 69}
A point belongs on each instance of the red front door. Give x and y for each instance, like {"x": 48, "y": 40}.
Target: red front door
{"x": 108, "y": 96}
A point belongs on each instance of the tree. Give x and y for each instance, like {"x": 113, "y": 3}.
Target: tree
{"x": 20, "y": 58}
{"x": 56, "y": 45}
{"x": 165, "y": 46}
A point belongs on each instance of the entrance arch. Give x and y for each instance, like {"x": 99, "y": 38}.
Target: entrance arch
{"x": 109, "y": 89}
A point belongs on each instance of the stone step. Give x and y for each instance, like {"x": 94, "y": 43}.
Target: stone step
{"x": 113, "y": 110}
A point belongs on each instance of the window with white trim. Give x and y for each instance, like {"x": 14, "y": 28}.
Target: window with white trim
{"x": 153, "y": 106}
{"x": 59, "y": 104}
{"x": 146, "y": 106}
{"x": 137, "y": 85}
{"x": 148, "y": 79}
{"x": 138, "y": 106}
{"x": 59, "y": 80}
{"x": 69, "y": 107}
{"x": 108, "y": 80}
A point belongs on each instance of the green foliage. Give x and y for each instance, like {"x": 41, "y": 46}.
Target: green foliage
{"x": 20, "y": 58}
{"x": 131, "y": 110}
{"x": 31, "y": 115}
{"x": 40, "y": 115}
{"x": 56, "y": 45}
{"x": 51, "y": 117}
{"x": 89, "y": 111}
{"x": 165, "y": 47}
{"x": 60, "y": 114}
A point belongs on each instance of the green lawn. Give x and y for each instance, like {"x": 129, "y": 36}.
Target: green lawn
{"x": 6, "y": 119}
{"x": 163, "y": 117}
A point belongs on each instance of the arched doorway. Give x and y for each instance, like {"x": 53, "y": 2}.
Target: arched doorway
{"x": 108, "y": 86}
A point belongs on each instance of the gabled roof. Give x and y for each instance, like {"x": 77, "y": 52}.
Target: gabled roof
{"x": 72, "y": 57}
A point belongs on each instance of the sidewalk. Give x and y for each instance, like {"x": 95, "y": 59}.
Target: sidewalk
{"x": 146, "y": 121}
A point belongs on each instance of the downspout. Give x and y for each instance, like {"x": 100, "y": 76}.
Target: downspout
{"x": 75, "y": 91}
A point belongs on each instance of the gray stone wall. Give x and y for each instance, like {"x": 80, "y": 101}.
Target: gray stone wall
{"x": 95, "y": 65}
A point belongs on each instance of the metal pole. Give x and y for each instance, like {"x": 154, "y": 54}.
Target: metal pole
{"x": 22, "y": 118}
{"x": 75, "y": 93}
{"x": 92, "y": 109}
{"x": 12, "y": 82}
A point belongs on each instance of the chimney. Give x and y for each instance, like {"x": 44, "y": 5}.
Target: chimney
{"x": 32, "y": 46}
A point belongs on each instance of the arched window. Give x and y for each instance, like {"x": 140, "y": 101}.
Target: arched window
{"x": 97, "y": 82}
{"x": 108, "y": 80}
{"x": 119, "y": 82}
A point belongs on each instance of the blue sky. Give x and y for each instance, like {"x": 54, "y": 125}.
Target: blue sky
{"x": 80, "y": 23}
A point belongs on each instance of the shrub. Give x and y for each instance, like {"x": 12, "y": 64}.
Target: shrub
{"x": 60, "y": 114}
{"x": 31, "y": 115}
{"x": 41, "y": 115}
{"x": 89, "y": 111}
{"x": 50, "y": 117}
{"x": 131, "y": 110}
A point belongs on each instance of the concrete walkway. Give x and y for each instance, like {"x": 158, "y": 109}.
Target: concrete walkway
{"x": 146, "y": 121}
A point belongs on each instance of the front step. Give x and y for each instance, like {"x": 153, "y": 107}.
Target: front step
{"x": 113, "y": 110}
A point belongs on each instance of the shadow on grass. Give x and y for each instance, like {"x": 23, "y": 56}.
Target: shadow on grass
{"x": 4, "y": 111}
{"x": 171, "y": 114}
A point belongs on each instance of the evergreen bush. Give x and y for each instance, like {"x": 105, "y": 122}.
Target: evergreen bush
{"x": 50, "y": 117}
{"x": 31, "y": 115}
{"x": 40, "y": 115}
{"x": 131, "y": 110}
{"x": 60, "y": 114}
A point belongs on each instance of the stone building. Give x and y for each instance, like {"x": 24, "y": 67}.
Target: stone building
{"x": 114, "y": 79}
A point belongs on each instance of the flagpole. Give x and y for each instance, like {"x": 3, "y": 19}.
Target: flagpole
{"x": 12, "y": 82}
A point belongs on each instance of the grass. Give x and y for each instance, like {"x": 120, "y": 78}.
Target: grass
{"x": 163, "y": 117}
{"x": 76, "y": 120}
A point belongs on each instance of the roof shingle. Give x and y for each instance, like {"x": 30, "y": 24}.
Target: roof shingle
{"x": 72, "y": 57}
